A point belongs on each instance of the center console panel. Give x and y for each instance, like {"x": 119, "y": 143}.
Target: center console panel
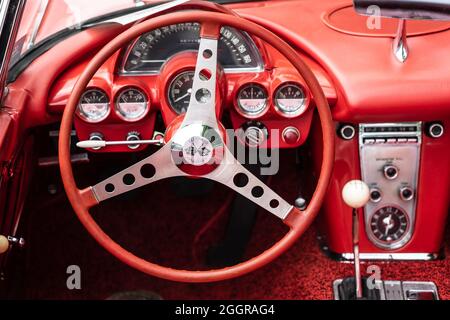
{"x": 407, "y": 168}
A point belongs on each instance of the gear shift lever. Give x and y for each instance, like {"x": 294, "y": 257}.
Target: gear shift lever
{"x": 356, "y": 195}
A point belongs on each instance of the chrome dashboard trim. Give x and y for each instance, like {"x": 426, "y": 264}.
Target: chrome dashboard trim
{"x": 378, "y": 149}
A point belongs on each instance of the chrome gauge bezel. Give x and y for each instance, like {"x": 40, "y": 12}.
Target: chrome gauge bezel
{"x": 250, "y": 114}
{"x": 118, "y": 109}
{"x": 84, "y": 116}
{"x": 291, "y": 114}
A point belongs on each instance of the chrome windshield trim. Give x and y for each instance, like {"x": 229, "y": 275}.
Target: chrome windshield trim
{"x": 136, "y": 16}
{"x": 37, "y": 23}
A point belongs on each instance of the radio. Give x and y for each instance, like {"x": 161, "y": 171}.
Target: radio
{"x": 390, "y": 159}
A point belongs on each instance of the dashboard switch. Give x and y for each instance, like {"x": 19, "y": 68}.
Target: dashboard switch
{"x": 390, "y": 172}
{"x": 406, "y": 193}
{"x": 96, "y": 137}
{"x": 291, "y": 135}
{"x": 133, "y": 136}
{"x": 375, "y": 195}
{"x": 435, "y": 130}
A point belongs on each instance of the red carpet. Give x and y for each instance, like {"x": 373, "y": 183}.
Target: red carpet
{"x": 157, "y": 225}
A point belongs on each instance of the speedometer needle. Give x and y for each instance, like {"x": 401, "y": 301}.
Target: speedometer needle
{"x": 188, "y": 93}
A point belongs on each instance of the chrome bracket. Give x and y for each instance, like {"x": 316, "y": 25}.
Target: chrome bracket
{"x": 400, "y": 45}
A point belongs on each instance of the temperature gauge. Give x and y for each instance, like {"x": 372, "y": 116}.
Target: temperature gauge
{"x": 93, "y": 106}
{"x": 252, "y": 100}
{"x": 132, "y": 104}
{"x": 290, "y": 99}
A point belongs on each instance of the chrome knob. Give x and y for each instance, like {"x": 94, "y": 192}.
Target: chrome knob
{"x": 390, "y": 172}
{"x": 406, "y": 193}
{"x": 375, "y": 195}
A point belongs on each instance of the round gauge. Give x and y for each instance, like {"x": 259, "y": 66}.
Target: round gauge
{"x": 389, "y": 224}
{"x": 94, "y": 105}
{"x": 290, "y": 99}
{"x": 132, "y": 104}
{"x": 180, "y": 89}
{"x": 252, "y": 100}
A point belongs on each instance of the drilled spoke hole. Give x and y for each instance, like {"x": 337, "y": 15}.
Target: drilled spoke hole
{"x": 205, "y": 74}
{"x": 203, "y": 95}
{"x": 110, "y": 188}
{"x": 257, "y": 192}
{"x": 148, "y": 171}
{"x": 207, "y": 54}
{"x": 240, "y": 180}
{"x": 129, "y": 179}
{"x": 274, "y": 203}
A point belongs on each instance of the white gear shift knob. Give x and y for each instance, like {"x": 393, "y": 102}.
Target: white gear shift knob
{"x": 356, "y": 194}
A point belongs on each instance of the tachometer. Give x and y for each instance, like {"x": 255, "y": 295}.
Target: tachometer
{"x": 179, "y": 93}
{"x": 252, "y": 100}
{"x": 132, "y": 104}
{"x": 290, "y": 99}
{"x": 236, "y": 49}
{"x": 94, "y": 106}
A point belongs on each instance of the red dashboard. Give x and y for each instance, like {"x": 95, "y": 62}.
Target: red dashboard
{"x": 275, "y": 74}
{"x": 363, "y": 82}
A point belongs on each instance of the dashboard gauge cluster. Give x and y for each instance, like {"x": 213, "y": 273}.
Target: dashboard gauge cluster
{"x": 131, "y": 104}
{"x": 94, "y": 106}
{"x": 289, "y": 100}
{"x": 236, "y": 51}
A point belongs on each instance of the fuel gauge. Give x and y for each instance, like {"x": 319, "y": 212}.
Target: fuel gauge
{"x": 252, "y": 100}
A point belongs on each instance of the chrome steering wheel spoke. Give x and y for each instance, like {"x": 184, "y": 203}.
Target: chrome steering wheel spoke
{"x": 156, "y": 167}
{"x": 202, "y": 105}
{"x": 235, "y": 176}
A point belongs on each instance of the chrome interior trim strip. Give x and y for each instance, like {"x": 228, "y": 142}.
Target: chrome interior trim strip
{"x": 37, "y": 23}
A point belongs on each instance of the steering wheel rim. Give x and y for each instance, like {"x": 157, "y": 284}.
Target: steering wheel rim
{"x": 298, "y": 221}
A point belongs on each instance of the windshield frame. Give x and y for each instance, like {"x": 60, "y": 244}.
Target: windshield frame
{"x": 49, "y": 42}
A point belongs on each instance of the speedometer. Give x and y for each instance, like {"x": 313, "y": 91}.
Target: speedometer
{"x": 93, "y": 106}
{"x": 236, "y": 50}
{"x": 132, "y": 104}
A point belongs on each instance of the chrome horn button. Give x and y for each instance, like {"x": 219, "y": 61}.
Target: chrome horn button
{"x": 197, "y": 149}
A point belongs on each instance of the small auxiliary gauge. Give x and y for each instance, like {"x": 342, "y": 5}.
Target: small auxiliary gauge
{"x": 252, "y": 100}
{"x": 290, "y": 99}
{"x": 132, "y": 104}
{"x": 93, "y": 106}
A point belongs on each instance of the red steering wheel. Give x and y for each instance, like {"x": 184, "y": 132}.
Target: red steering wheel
{"x": 199, "y": 129}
